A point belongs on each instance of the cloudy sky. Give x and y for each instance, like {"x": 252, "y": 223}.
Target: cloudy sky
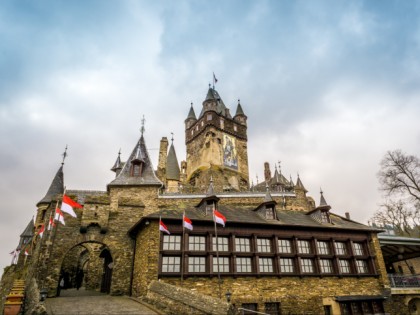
{"x": 328, "y": 88}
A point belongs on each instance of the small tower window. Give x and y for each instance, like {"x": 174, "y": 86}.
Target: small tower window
{"x": 136, "y": 168}
{"x": 209, "y": 117}
{"x": 325, "y": 218}
{"x": 269, "y": 213}
{"x": 196, "y": 127}
{"x": 202, "y": 123}
{"x": 235, "y": 128}
{"x": 222, "y": 124}
{"x": 192, "y": 132}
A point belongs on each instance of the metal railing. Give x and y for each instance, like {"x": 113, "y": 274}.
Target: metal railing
{"x": 404, "y": 281}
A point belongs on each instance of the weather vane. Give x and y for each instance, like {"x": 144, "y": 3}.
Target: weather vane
{"x": 172, "y": 137}
{"x": 142, "y": 125}
{"x": 64, "y": 155}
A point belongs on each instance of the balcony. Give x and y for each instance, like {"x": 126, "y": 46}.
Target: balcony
{"x": 404, "y": 281}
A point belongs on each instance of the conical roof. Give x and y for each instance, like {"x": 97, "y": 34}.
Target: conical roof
{"x": 239, "y": 110}
{"x": 191, "y": 113}
{"x": 29, "y": 230}
{"x": 117, "y": 165}
{"x": 147, "y": 177}
{"x": 299, "y": 184}
{"x": 56, "y": 187}
{"x": 172, "y": 166}
{"x": 322, "y": 202}
{"x": 213, "y": 95}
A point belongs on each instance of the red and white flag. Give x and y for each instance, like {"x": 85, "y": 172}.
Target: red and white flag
{"x": 219, "y": 218}
{"x": 51, "y": 224}
{"x": 163, "y": 228}
{"x": 187, "y": 223}
{"x": 214, "y": 79}
{"x": 41, "y": 231}
{"x": 26, "y": 252}
{"x": 68, "y": 204}
{"x": 59, "y": 216}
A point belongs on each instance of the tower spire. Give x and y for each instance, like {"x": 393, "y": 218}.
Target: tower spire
{"x": 142, "y": 129}
{"x": 64, "y": 155}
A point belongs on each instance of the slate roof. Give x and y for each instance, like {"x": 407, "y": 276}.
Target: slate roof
{"x": 221, "y": 109}
{"x": 147, "y": 177}
{"x": 56, "y": 187}
{"x": 191, "y": 113}
{"x": 238, "y": 215}
{"x": 172, "y": 166}
{"x": 29, "y": 230}
{"x": 239, "y": 110}
{"x": 117, "y": 165}
{"x": 299, "y": 184}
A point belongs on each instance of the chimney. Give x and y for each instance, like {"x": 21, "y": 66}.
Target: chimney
{"x": 267, "y": 172}
{"x": 347, "y": 215}
{"x": 163, "y": 151}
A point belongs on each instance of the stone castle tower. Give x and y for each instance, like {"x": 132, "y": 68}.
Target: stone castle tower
{"x": 216, "y": 147}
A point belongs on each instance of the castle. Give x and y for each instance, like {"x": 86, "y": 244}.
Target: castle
{"x": 279, "y": 250}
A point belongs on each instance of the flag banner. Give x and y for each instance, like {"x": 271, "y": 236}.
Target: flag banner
{"x": 41, "y": 231}
{"x": 214, "y": 78}
{"x": 68, "y": 204}
{"x": 26, "y": 252}
{"x": 219, "y": 218}
{"x": 59, "y": 216}
{"x": 187, "y": 223}
{"x": 163, "y": 228}
{"x": 13, "y": 252}
{"x": 51, "y": 224}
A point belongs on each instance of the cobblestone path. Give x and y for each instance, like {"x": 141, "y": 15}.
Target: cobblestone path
{"x": 84, "y": 303}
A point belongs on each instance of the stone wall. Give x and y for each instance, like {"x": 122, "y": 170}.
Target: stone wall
{"x": 176, "y": 300}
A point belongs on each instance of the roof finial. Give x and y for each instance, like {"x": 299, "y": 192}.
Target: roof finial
{"x": 172, "y": 139}
{"x": 320, "y": 190}
{"x": 64, "y": 155}
{"x": 278, "y": 162}
{"x": 191, "y": 104}
{"x": 119, "y": 152}
{"x": 142, "y": 125}
{"x": 239, "y": 101}
{"x": 257, "y": 178}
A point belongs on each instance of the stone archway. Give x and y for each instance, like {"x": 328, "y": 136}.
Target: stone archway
{"x": 87, "y": 265}
{"x": 414, "y": 306}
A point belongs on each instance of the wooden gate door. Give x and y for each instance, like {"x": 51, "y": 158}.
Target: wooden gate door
{"x": 107, "y": 271}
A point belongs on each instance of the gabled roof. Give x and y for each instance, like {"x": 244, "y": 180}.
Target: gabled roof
{"x": 56, "y": 187}
{"x": 172, "y": 166}
{"x": 147, "y": 177}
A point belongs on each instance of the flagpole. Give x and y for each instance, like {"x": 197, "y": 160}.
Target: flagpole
{"x": 217, "y": 254}
{"x": 182, "y": 249}
{"x": 159, "y": 257}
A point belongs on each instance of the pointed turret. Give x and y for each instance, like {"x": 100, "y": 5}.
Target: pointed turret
{"x": 56, "y": 187}
{"x": 299, "y": 185}
{"x": 172, "y": 170}
{"x": 240, "y": 115}
{"x": 138, "y": 170}
{"x": 191, "y": 118}
{"x": 117, "y": 165}
{"x": 322, "y": 202}
{"x": 27, "y": 234}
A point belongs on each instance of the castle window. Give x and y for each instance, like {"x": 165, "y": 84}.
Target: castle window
{"x": 344, "y": 266}
{"x": 196, "y": 264}
{"x": 202, "y": 123}
{"x": 43, "y": 214}
{"x": 304, "y": 247}
{"x": 265, "y": 264}
{"x": 269, "y": 213}
{"x": 340, "y": 248}
{"x": 242, "y": 244}
{"x": 196, "y": 128}
{"x": 286, "y": 265}
{"x": 264, "y": 245}
{"x": 222, "y": 244}
{"x": 323, "y": 248}
{"x": 285, "y": 246}
{"x": 307, "y": 265}
{"x": 197, "y": 243}
{"x": 136, "y": 168}
{"x": 171, "y": 242}
{"x": 171, "y": 264}
{"x": 325, "y": 218}
{"x": 358, "y": 249}
{"x": 243, "y": 264}
{"x": 235, "y": 128}
{"x": 192, "y": 132}
{"x": 272, "y": 308}
{"x": 223, "y": 264}
{"x": 325, "y": 265}
{"x": 222, "y": 124}
{"x": 361, "y": 266}
{"x": 209, "y": 117}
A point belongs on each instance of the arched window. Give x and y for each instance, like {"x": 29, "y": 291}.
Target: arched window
{"x": 136, "y": 168}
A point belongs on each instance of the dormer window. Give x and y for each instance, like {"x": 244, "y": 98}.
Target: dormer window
{"x": 136, "y": 168}
{"x": 269, "y": 213}
{"x": 325, "y": 217}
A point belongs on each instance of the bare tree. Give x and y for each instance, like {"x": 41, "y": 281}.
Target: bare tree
{"x": 399, "y": 179}
{"x": 400, "y": 174}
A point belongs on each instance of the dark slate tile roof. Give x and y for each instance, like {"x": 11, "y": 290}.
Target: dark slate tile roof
{"x": 191, "y": 113}
{"x": 29, "y": 230}
{"x": 172, "y": 166}
{"x": 147, "y": 177}
{"x": 247, "y": 215}
{"x": 239, "y": 110}
{"x": 56, "y": 187}
{"x": 221, "y": 109}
